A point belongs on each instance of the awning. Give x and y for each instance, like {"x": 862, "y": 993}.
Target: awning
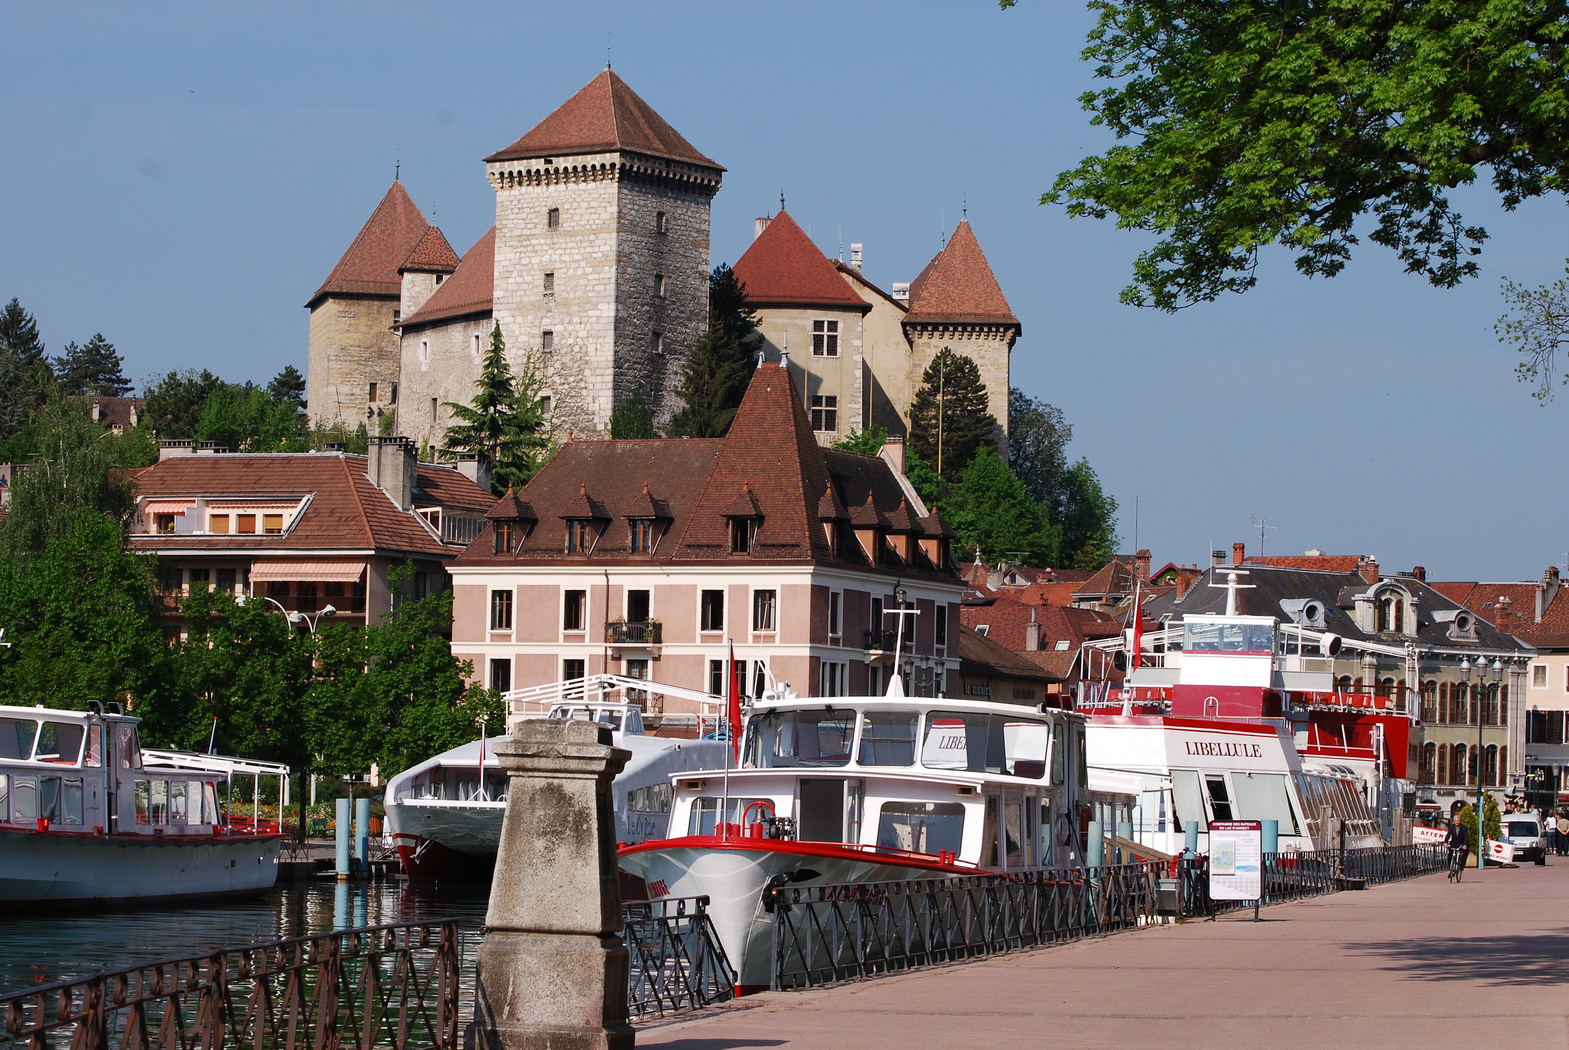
{"x": 321, "y": 570}
{"x": 167, "y": 506}
{"x": 253, "y": 504}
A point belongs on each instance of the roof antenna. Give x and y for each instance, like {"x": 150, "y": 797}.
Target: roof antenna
{"x": 607, "y": 50}
{"x": 964, "y": 207}
{"x": 781, "y": 200}
{"x": 397, "y": 169}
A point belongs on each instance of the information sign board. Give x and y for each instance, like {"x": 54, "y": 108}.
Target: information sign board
{"x": 1236, "y": 860}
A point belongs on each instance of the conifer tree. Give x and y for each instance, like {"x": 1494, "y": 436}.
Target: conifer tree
{"x": 989, "y": 509}
{"x": 949, "y": 420}
{"x": 95, "y": 370}
{"x": 718, "y": 363}
{"x": 505, "y": 423}
{"x": 25, "y": 375}
{"x": 288, "y": 385}
{"x": 633, "y": 419}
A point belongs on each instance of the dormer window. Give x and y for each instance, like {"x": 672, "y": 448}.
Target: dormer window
{"x": 642, "y": 539}
{"x": 504, "y": 534}
{"x": 1391, "y": 613}
{"x": 740, "y": 535}
{"x": 580, "y": 535}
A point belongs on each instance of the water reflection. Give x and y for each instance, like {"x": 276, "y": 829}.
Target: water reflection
{"x": 39, "y": 947}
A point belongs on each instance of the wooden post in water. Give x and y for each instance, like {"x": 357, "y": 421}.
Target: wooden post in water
{"x": 552, "y": 967}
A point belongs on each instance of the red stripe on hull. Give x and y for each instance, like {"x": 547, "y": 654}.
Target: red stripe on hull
{"x": 425, "y": 860}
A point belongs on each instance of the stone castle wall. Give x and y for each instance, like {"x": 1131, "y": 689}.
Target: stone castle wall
{"x": 989, "y": 346}
{"x": 352, "y": 346}
{"x": 439, "y": 367}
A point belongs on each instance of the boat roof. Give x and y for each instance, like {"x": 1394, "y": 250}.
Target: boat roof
{"x": 905, "y": 703}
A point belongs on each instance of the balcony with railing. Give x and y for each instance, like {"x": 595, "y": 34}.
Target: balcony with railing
{"x": 643, "y": 633}
{"x": 882, "y": 641}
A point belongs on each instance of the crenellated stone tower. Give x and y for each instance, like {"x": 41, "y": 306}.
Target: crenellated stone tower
{"x": 601, "y": 252}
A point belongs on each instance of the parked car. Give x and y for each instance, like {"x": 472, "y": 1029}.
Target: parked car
{"x": 1524, "y": 832}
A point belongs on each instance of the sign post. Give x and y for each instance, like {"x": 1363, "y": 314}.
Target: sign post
{"x": 1236, "y": 861}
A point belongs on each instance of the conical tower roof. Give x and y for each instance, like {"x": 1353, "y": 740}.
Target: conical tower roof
{"x": 782, "y": 267}
{"x": 958, "y": 285}
{"x": 470, "y": 290}
{"x": 370, "y": 266}
{"x": 431, "y": 255}
{"x": 603, "y": 117}
{"x": 770, "y": 450}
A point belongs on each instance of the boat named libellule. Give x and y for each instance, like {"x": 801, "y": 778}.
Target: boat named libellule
{"x": 86, "y": 817}
{"x": 867, "y": 789}
{"x": 445, "y": 814}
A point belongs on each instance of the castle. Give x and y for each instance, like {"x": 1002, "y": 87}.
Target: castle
{"x": 597, "y": 273}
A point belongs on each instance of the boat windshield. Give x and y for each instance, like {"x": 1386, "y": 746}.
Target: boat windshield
{"x": 819, "y": 736}
{"x": 16, "y": 737}
{"x": 1215, "y": 636}
{"x": 985, "y": 743}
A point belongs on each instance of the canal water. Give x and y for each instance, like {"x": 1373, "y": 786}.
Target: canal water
{"x": 46, "y": 945}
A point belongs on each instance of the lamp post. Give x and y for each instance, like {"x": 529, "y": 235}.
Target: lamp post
{"x": 295, "y": 617}
{"x": 1482, "y": 686}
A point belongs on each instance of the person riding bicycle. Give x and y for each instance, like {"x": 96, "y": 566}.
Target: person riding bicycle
{"x": 1459, "y": 841}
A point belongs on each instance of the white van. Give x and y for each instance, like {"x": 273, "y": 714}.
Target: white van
{"x": 1524, "y": 832}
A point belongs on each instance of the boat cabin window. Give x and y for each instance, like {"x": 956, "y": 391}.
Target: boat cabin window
{"x": 1210, "y": 636}
{"x": 24, "y": 800}
{"x": 924, "y": 827}
{"x": 95, "y": 746}
{"x": 1219, "y": 798}
{"x": 16, "y": 737}
{"x": 814, "y": 737}
{"x": 888, "y": 738}
{"x": 58, "y": 742}
{"x": 705, "y": 817}
{"x": 985, "y": 743}
{"x": 1059, "y": 754}
{"x": 1187, "y": 799}
{"x": 1264, "y": 796}
{"x": 127, "y": 751}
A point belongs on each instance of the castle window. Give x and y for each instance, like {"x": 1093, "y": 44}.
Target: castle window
{"x": 659, "y": 286}
{"x": 642, "y": 535}
{"x": 440, "y": 277}
{"x": 825, "y": 413}
{"x": 432, "y": 410}
{"x": 373, "y": 393}
{"x": 825, "y": 338}
{"x": 424, "y": 354}
{"x": 544, "y": 404}
{"x": 553, "y": 219}
{"x": 661, "y": 222}
{"x": 547, "y": 339}
{"x": 656, "y": 341}
{"x": 550, "y": 283}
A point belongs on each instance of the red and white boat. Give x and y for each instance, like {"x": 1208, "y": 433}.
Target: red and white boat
{"x": 866, "y": 789}
{"x": 85, "y": 818}
{"x": 1226, "y": 716}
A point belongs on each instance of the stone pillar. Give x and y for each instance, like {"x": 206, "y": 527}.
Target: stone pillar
{"x": 552, "y": 967}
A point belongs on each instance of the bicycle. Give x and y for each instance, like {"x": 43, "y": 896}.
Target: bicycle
{"x": 1457, "y": 864}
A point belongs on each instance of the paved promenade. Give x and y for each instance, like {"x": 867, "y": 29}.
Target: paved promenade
{"x": 1421, "y": 963}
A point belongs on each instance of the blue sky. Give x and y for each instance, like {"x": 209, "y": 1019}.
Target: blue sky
{"x": 182, "y": 176}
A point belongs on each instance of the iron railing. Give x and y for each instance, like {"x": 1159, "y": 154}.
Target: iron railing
{"x": 1289, "y": 876}
{"x": 677, "y": 962}
{"x": 833, "y": 933}
{"x": 393, "y": 987}
{"x": 634, "y": 632}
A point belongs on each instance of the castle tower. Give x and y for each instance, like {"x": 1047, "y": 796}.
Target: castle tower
{"x": 957, "y": 303}
{"x": 352, "y": 367}
{"x": 601, "y": 252}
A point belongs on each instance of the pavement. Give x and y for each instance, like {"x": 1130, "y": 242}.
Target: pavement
{"x": 1421, "y": 963}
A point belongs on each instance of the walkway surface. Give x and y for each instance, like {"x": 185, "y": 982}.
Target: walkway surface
{"x": 1422, "y": 963}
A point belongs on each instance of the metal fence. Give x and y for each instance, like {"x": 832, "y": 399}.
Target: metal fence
{"x": 677, "y": 962}
{"x": 394, "y": 987}
{"x": 832, "y": 933}
{"x": 1288, "y": 876}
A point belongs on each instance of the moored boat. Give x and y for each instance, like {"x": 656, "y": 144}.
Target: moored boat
{"x": 84, "y": 818}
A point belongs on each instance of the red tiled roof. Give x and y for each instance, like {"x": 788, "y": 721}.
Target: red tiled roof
{"x": 470, "y": 290}
{"x": 370, "y": 266}
{"x": 1553, "y": 631}
{"x": 782, "y": 267}
{"x": 958, "y": 285}
{"x": 980, "y": 655}
{"x": 604, "y": 116}
{"x": 431, "y": 255}
{"x": 1510, "y": 607}
{"x": 347, "y": 510}
{"x": 1316, "y": 562}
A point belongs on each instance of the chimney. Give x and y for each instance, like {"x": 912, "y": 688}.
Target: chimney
{"x": 900, "y": 290}
{"x": 475, "y": 469}
{"x": 1367, "y": 568}
{"x": 1187, "y": 576}
{"x": 893, "y": 452}
{"x": 1141, "y": 565}
{"x": 759, "y": 225}
{"x": 1546, "y": 591}
{"x": 1032, "y": 637}
{"x": 1217, "y": 559}
{"x": 391, "y": 466}
{"x": 97, "y": 410}
{"x": 855, "y": 256}
{"x": 1239, "y": 553}
{"x": 1419, "y": 573}
{"x": 171, "y": 449}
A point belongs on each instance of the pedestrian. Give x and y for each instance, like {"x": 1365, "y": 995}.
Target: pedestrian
{"x": 1549, "y": 834}
{"x": 1563, "y": 833}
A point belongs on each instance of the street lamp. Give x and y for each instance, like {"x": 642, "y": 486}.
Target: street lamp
{"x": 1482, "y": 686}
{"x": 293, "y": 616}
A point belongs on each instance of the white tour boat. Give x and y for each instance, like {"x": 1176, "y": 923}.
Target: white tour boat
{"x": 85, "y": 817}
{"x": 444, "y": 814}
{"x": 866, "y": 789}
{"x": 1225, "y": 716}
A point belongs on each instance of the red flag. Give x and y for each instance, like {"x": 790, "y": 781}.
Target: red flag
{"x": 733, "y": 713}
{"x": 1138, "y": 634}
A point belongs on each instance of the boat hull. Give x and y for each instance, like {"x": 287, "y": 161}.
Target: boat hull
{"x": 103, "y": 869}
{"x": 438, "y": 839}
{"x": 734, "y": 874}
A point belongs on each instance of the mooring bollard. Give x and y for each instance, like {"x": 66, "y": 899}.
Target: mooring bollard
{"x": 552, "y": 968}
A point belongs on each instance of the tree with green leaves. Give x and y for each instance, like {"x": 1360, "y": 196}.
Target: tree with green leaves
{"x": 505, "y": 423}
{"x": 1071, "y": 495}
{"x": 1087, "y": 519}
{"x": 94, "y": 370}
{"x": 718, "y": 364}
{"x": 175, "y": 402}
{"x": 249, "y": 418}
{"x": 868, "y": 442}
{"x": 949, "y": 419}
{"x": 1252, "y": 123}
{"x": 288, "y": 385}
{"x": 25, "y": 375}
{"x": 989, "y": 509}
{"x": 80, "y": 610}
{"x": 1536, "y": 321}
{"x": 633, "y": 419}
